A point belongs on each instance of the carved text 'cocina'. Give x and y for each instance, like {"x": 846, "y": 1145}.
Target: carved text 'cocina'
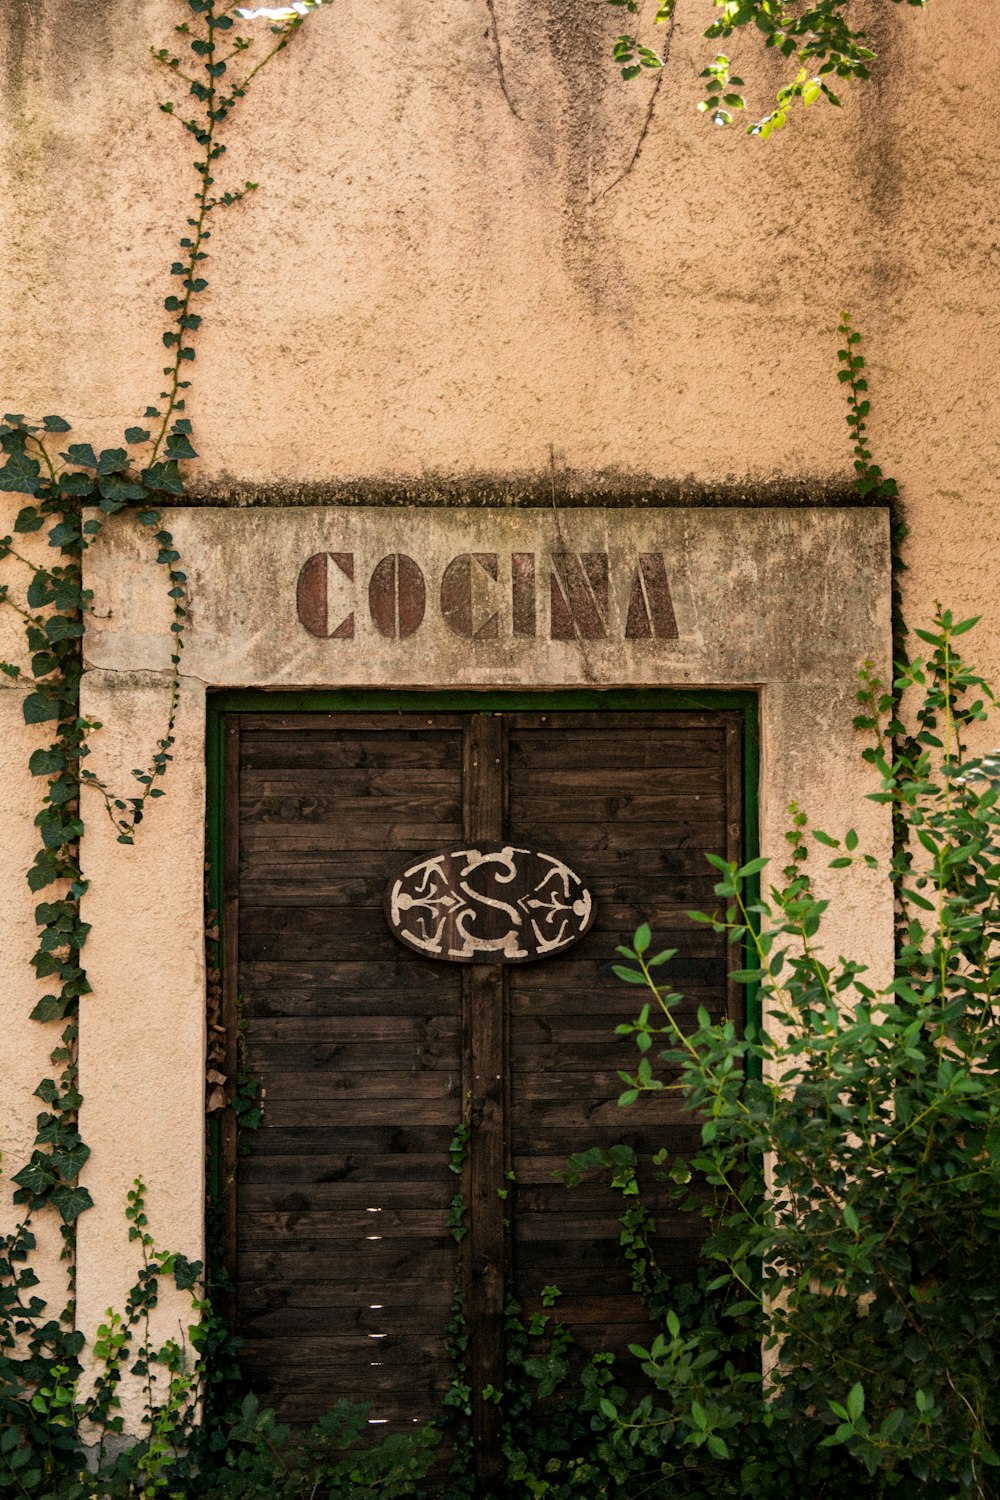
{"x": 489, "y": 596}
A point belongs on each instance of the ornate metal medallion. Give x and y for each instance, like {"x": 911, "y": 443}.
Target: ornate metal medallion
{"x": 488, "y": 904}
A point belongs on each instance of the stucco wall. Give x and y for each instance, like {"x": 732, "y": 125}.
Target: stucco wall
{"x": 440, "y": 294}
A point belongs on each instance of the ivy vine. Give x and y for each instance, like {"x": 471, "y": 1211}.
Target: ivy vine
{"x": 70, "y": 494}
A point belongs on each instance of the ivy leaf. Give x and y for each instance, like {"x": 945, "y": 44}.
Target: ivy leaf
{"x": 65, "y": 534}
{"x": 136, "y": 435}
{"x": 28, "y": 519}
{"x": 47, "y": 762}
{"x": 112, "y": 461}
{"x": 71, "y": 1202}
{"x": 34, "y": 1178}
{"x": 76, "y": 484}
{"x": 44, "y": 871}
{"x": 19, "y": 475}
{"x": 39, "y": 591}
{"x": 39, "y": 708}
{"x": 179, "y": 446}
{"x": 51, "y": 1008}
{"x": 63, "y": 628}
{"x": 117, "y": 491}
{"x": 81, "y": 454}
{"x": 164, "y": 477}
{"x": 55, "y": 424}
{"x": 71, "y": 1163}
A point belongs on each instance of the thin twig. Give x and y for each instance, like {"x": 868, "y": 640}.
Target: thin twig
{"x": 649, "y": 116}
{"x": 499, "y": 59}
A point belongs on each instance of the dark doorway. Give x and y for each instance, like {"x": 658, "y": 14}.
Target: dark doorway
{"x": 372, "y": 1057}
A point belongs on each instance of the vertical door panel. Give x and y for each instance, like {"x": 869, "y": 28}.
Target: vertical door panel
{"x": 632, "y": 801}
{"x": 345, "y": 1265}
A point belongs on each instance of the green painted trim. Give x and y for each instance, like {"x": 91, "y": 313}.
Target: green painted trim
{"x": 408, "y": 700}
{"x": 752, "y": 1012}
{"x": 214, "y": 809}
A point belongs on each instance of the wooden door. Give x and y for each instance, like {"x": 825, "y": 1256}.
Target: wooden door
{"x": 371, "y": 1057}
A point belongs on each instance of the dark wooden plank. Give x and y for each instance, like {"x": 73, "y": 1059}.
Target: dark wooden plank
{"x": 360, "y": 936}
{"x": 399, "y": 1332}
{"x": 582, "y": 976}
{"x": 365, "y": 1303}
{"x": 531, "y": 1031}
{"x": 405, "y": 1091}
{"x": 356, "y": 1173}
{"x": 609, "y": 808}
{"x": 326, "y": 1329}
{"x": 626, "y": 1126}
{"x": 546, "y": 1115}
{"x": 372, "y": 783}
{"x": 577, "y": 1286}
{"x": 361, "y": 1227}
{"x": 406, "y": 985}
{"x": 320, "y": 1364}
{"x": 579, "y": 1089}
{"x": 354, "y": 1142}
{"x": 412, "y": 835}
{"x": 584, "y": 1064}
{"x": 386, "y": 1418}
{"x": 654, "y": 750}
{"x": 549, "y": 1259}
{"x": 694, "y": 783}
{"x": 348, "y": 1109}
{"x": 376, "y": 1031}
{"x": 302, "y": 1258}
{"x": 401, "y": 1058}
{"x": 618, "y": 722}
{"x": 336, "y": 723}
{"x": 271, "y": 1196}
{"x": 541, "y": 1168}
{"x": 283, "y": 885}
{"x": 426, "y": 750}
{"x": 574, "y": 1311}
{"x": 554, "y": 1198}
{"x": 344, "y": 814}
{"x": 546, "y": 830}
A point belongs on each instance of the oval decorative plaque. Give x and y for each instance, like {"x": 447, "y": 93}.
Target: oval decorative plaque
{"x": 488, "y": 904}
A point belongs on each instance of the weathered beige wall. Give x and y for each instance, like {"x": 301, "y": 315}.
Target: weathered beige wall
{"x": 142, "y": 1031}
{"x": 435, "y": 293}
{"x": 429, "y": 287}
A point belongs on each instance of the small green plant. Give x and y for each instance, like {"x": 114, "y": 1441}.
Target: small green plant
{"x": 824, "y": 49}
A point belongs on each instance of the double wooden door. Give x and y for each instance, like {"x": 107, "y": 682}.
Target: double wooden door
{"x": 372, "y": 1058}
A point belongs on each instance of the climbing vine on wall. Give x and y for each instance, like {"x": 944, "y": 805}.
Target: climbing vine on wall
{"x": 70, "y": 492}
